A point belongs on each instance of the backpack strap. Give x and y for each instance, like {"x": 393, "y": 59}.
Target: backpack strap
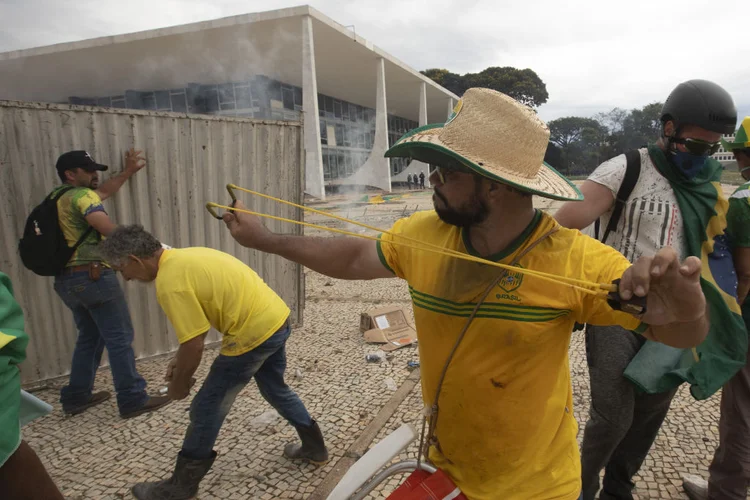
{"x": 632, "y": 173}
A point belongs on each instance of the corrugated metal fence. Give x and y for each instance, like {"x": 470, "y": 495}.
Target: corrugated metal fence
{"x": 190, "y": 160}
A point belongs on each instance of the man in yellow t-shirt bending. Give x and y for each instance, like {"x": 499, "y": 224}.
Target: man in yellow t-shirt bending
{"x": 505, "y": 427}
{"x": 200, "y": 288}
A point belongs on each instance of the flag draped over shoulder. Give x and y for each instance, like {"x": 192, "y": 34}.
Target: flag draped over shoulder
{"x": 13, "y": 341}
{"x": 659, "y": 368}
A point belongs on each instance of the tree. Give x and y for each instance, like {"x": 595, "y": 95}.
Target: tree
{"x": 524, "y": 85}
{"x": 612, "y": 120}
{"x": 631, "y": 129}
{"x": 572, "y": 129}
{"x": 580, "y": 141}
{"x": 451, "y": 81}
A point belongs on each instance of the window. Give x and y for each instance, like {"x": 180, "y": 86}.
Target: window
{"x": 243, "y": 97}
{"x": 287, "y": 97}
{"x": 323, "y": 133}
{"x": 339, "y": 134}
{"x": 178, "y": 103}
{"x": 337, "y": 108}
{"x": 274, "y": 90}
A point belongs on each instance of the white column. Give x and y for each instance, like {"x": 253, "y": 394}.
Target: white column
{"x": 450, "y": 108}
{"x": 314, "y": 185}
{"x": 376, "y": 171}
{"x": 416, "y": 167}
{"x": 423, "y": 105}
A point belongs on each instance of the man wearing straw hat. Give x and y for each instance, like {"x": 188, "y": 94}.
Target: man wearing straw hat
{"x": 729, "y": 473}
{"x": 677, "y": 201}
{"x": 503, "y": 426}
{"x": 200, "y": 288}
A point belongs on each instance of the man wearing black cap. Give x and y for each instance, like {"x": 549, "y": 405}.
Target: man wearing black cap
{"x": 91, "y": 290}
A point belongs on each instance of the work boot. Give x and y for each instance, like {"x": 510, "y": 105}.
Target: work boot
{"x": 95, "y": 399}
{"x": 183, "y": 485}
{"x": 312, "y": 448}
{"x": 695, "y": 487}
{"x": 153, "y": 403}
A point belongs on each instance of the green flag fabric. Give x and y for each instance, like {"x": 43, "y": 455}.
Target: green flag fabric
{"x": 13, "y": 341}
{"x": 659, "y": 368}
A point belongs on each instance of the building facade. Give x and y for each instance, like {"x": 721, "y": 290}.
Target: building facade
{"x": 293, "y": 64}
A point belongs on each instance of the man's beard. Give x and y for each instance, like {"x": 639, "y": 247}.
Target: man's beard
{"x": 470, "y": 213}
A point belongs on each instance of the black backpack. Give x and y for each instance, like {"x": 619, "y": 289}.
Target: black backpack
{"x": 43, "y": 247}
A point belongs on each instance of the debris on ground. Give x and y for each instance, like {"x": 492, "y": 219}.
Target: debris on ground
{"x": 266, "y": 418}
{"x": 390, "y": 384}
{"x": 375, "y": 357}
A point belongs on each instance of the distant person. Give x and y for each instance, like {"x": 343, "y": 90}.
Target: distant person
{"x": 22, "y": 474}
{"x": 669, "y": 204}
{"x": 91, "y": 291}
{"x": 408, "y": 182}
{"x": 200, "y": 288}
{"x": 421, "y": 179}
{"x": 729, "y": 473}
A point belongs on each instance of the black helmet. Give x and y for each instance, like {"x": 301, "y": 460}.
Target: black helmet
{"x": 701, "y": 103}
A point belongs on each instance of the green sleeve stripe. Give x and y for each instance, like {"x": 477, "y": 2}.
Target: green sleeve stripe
{"x": 381, "y": 255}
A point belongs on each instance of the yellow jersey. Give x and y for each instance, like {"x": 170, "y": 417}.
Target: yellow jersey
{"x": 506, "y": 428}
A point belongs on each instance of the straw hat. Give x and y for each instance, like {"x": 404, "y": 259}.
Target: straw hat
{"x": 496, "y": 137}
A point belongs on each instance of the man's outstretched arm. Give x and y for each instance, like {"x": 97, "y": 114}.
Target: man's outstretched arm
{"x": 343, "y": 258}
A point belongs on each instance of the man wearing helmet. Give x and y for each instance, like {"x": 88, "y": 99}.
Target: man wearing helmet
{"x": 623, "y": 420}
{"x": 730, "y": 470}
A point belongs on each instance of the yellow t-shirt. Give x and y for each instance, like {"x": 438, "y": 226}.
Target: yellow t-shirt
{"x": 506, "y": 428}
{"x": 200, "y": 288}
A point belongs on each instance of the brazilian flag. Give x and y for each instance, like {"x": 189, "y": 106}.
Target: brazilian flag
{"x": 659, "y": 368}
{"x": 13, "y": 343}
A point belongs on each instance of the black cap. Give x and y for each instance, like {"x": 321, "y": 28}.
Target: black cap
{"x": 701, "y": 103}
{"x": 78, "y": 159}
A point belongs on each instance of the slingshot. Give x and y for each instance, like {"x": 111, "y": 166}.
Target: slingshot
{"x": 608, "y": 291}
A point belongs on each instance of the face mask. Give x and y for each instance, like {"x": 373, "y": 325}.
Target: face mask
{"x": 688, "y": 164}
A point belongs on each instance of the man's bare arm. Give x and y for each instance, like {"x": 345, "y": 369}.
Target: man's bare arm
{"x": 342, "y": 258}
{"x": 597, "y": 200}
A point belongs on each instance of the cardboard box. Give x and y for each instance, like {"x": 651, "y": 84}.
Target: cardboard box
{"x": 389, "y": 326}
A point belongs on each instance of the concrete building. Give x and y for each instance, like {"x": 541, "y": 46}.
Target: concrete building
{"x": 290, "y": 64}
{"x": 726, "y": 158}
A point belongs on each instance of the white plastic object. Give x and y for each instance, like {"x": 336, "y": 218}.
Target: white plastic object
{"x": 372, "y": 461}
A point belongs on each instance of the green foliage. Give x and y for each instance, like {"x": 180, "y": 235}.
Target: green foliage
{"x": 524, "y": 85}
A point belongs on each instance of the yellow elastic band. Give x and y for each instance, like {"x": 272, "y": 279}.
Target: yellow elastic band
{"x": 544, "y": 276}
{"x": 444, "y": 251}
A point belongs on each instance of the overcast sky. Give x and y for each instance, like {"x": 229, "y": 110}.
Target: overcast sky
{"x": 592, "y": 54}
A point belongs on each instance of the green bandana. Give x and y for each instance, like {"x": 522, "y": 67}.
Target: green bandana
{"x": 659, "y": 368}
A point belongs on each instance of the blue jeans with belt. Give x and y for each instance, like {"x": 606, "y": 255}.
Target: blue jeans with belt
{"x": 103, "y": 320}
{"x": 228, "y": 376}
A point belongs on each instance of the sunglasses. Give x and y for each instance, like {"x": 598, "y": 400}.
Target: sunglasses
{"x": 698, "y": 147}
{"x": 442, "y": 171}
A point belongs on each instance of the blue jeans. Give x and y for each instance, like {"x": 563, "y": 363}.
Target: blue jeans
{"x": 228, "y": 376}
{"x": 103, "y": 320}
